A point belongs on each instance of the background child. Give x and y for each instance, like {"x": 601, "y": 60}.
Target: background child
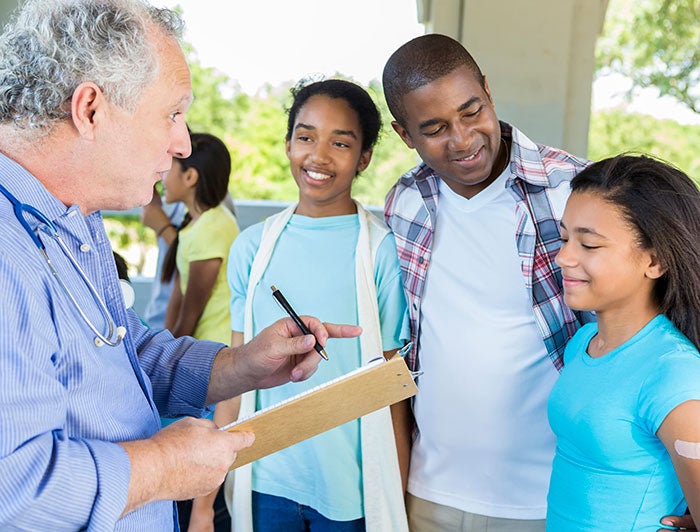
{"x": 628, "y": 398}
{"x": 164, "y": 220}
{"x": 197, "y": 258}
{"x": 198, "y": 305}
{"x": 328, "y": 255}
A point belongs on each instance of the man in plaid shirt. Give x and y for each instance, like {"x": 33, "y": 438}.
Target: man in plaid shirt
{"x": 477, "y": 229}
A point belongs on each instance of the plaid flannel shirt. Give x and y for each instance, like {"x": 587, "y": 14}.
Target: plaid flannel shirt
{"x": 540, "y": 185}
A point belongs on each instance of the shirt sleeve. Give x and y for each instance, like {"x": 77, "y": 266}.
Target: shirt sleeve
{"x": 177, "y": 368}
{"x": 61, "y": 467}
{"x": 240, "y": 261}
{"x": 393, "y": 311}
{"x": 49, "y": 480}
{"x": 675, "y": 381}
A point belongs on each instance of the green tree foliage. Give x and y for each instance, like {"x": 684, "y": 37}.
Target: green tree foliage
{"x": 259, "y": 162}
{"x": 260, "y": 165}
{"x": 131, "y": 239}
{"x": 218, "y": 102}
{"x": 615, "y": 131}
{"x": 391, "y": 157}
{"x": 655, "y": 43}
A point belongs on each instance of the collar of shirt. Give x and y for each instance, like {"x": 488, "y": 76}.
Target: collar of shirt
{"x": 537, "y": 171}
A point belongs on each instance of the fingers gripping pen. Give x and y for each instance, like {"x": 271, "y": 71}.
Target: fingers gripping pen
{"x": 289, "y": 310}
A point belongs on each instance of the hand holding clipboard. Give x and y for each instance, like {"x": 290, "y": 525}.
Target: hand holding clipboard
{"x": 375, "y": 385}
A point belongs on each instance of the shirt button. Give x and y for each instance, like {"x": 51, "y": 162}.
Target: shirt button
{"x": 72, "y": 213}
{"x": 85, "y": 248}
{"x": 420, "y": 260}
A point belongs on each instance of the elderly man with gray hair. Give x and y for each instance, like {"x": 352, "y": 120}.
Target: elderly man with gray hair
{"x": 93, "y": 95}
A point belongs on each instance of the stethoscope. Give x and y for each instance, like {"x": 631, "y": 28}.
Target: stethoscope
{"x": 115, "y": 334}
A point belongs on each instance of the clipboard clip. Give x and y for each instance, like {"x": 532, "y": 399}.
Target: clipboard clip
{"x": 403, "y": 352}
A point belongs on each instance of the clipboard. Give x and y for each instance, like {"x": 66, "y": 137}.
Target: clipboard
{"x": 377, "y": 384}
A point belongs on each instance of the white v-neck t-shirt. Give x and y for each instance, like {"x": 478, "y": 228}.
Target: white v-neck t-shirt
{"x": 484, "y": 445}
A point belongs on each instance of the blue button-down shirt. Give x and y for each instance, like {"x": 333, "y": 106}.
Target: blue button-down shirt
{"x": 64, "y": 402}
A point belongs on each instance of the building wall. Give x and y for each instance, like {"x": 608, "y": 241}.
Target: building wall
{"x": 538, "y": 57}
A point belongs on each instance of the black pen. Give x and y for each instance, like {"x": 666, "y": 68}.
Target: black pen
{"x": 289, "y": 310}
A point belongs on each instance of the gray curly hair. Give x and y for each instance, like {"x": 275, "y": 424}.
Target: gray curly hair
{"x": 54, "y": 46}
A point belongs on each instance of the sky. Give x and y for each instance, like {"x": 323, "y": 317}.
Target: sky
{"x": 611, "y": 91}
{"x": 254, "y": 44}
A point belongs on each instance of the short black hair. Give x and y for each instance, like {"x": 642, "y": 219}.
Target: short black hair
{"x": 421, "y": 61}
{"x": 357, "y": 98}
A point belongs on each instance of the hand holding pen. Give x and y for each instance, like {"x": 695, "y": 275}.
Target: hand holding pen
{"x": 289, "y": 310}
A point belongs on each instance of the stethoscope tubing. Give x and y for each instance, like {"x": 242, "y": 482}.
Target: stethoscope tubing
{"x": 115, "y": 334}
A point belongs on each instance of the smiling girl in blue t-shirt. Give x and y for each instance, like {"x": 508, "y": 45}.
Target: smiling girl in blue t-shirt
{"x": 626, "y": 408}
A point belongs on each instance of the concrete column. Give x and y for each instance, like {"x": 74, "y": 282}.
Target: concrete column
{"x": 538, "y": 57}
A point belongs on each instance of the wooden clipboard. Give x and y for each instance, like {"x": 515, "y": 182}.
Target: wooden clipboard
{"x": 322, "y": 408}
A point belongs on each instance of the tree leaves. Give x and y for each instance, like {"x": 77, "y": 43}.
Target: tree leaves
{"x": 655, "y": 43}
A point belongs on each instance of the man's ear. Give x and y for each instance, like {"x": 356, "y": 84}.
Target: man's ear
{"x": 88, "y": 100}
{"x": 403, "y": 134}
{"x": 488, "y": 91}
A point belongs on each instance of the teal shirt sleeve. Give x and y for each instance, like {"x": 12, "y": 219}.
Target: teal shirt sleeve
{"x": 675, "y": 381}
{"x": 240, "y": 260}
{"x": 393, "y": 311}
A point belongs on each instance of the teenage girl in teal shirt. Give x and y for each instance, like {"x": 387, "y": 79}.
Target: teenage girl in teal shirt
{"x": 626, "y": 408}
{"x": 330, "y": 257}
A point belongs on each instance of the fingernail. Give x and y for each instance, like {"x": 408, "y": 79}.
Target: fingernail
{"x": 296, "y": 374}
